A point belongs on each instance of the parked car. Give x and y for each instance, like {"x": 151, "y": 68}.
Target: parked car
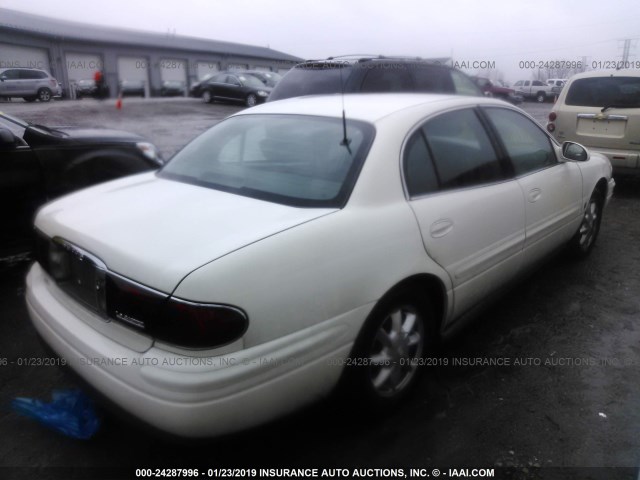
{"x": 270, "y": 79}
{"x": 291, "y": 249}
{"x": 172, "y": 89}
{"x": 234, "y": 87}
{"x": 86, "y": 88}
{"x": 196, "y": 88}
{"x": 41, "y": 163}
{"x": 132, "y": 88}
{"x": 29, "y": 83}
{"x": 535, "y": 90}
{"x": 493, "y": 89}
{"x": 556, "y": 82}
{"x": 601, "y": 109}
{"x": 372, "y": 75}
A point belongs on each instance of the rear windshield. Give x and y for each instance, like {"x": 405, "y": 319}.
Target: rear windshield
{"x": 312, "y": 79}
{"x": 605, "y": 91}
{"x": 295, "y": 160}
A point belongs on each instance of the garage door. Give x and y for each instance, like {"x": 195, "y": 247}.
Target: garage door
{"x": 237, "y": 66}
{"x": 173, "y": 74}
{"x": 206, "y": 69}
{"x": 134, "y": 69}
{"x": 26, "y": 57}
{"x": 82, "y": 66}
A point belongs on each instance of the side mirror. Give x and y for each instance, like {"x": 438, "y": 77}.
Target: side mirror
{"x": 574, "y": 152}
{"x": 6, "y": 138}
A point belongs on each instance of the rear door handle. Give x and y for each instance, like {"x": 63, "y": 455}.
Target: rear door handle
{"x": 534, "y": 195}
{"x": 441, "y": 227}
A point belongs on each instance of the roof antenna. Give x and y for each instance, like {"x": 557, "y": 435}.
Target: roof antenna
{"x": 345, "y": 140}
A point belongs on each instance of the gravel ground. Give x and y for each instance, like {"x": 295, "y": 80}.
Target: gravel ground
{"x": 569, "y": 396}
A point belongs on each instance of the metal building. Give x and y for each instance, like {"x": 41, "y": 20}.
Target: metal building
{"x": 73, "y": 51}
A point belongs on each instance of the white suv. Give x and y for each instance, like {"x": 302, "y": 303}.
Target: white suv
{"x": 601, "y": 110}
{"x": 29, "y": 83}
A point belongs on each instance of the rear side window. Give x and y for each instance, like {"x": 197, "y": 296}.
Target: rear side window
{"x": 605, "y": 91}
{"x": 311, "y": 80}
{"x": 31, "y": 74}
{"x": 462, "y": 152}
{"x": 387, "y": 78}
{"x": 419, "y": 173}
{"x": 433, "y": 79}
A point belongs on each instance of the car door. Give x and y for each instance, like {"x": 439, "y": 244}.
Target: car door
{"x": 21, "y": 193}
{"x": 552, "y": 189}
{"x": 10, "y": 83}
{"x": 470, "y": 211}
{"x": 233, "y": 88}
{"x": 29, "y": 81}
{"x": 215, "y": 85}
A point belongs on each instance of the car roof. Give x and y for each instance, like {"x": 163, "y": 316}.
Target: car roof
{"x": 607, "y": 73}
{"x": 369, "y": 107}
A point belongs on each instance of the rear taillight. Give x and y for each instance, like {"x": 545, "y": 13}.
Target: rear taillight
{"x": 148, "y": 311}
{"x": 53, "y": 82}
{"x": 198, "y": 325}
{"x": 551, "y": 127}
{"x": 172, "y": 320}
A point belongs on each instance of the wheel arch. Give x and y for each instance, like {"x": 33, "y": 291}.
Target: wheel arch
{"x": 429, "y": 285}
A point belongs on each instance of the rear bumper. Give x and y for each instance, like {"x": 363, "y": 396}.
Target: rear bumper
{"x": 621, "y": 160}
{"x": 196, "y": 395}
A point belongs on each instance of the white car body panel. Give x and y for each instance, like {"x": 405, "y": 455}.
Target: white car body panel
{"x": 109, "y": 218}
{"x": 476, "y": 235}
{"x": 307, "y": 278}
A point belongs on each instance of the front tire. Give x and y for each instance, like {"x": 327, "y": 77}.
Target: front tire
{"x": 44, "y": 94}
{"x": 206, "y": 96}
{"x": 584, "y": 240}
{"x": 386, "y": 361}
{"x": 252, "y": 100}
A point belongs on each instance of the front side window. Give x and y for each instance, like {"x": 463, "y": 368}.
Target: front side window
{"x": 296, "y": 160}
{"x": 528, "y": 147}
{"x": 11, "y": 74}
{"x": 462, "y": 152}
{"x": 250, "y": 81}
{"x": 463, "y": 84}
{"x": 605, "y": 91}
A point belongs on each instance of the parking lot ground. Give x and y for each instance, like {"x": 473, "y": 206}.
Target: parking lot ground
{"x": 563, "y": 389}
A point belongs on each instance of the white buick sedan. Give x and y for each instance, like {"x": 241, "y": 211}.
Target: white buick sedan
{"x": 291, "y": 249}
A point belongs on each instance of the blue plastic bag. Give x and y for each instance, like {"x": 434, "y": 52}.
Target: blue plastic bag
{"x": 71, "y": 412}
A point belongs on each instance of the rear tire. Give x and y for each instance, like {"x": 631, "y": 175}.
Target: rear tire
{"x": 541, "y": 97}
{"x": 387, "y": 358}
{"x": 206, "y": 96}
{"x": 44, "y": 94}
{"x": 584, "y": 240}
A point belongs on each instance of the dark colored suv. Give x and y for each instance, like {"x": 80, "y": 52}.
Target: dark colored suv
{"x": 372, "y": 75}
